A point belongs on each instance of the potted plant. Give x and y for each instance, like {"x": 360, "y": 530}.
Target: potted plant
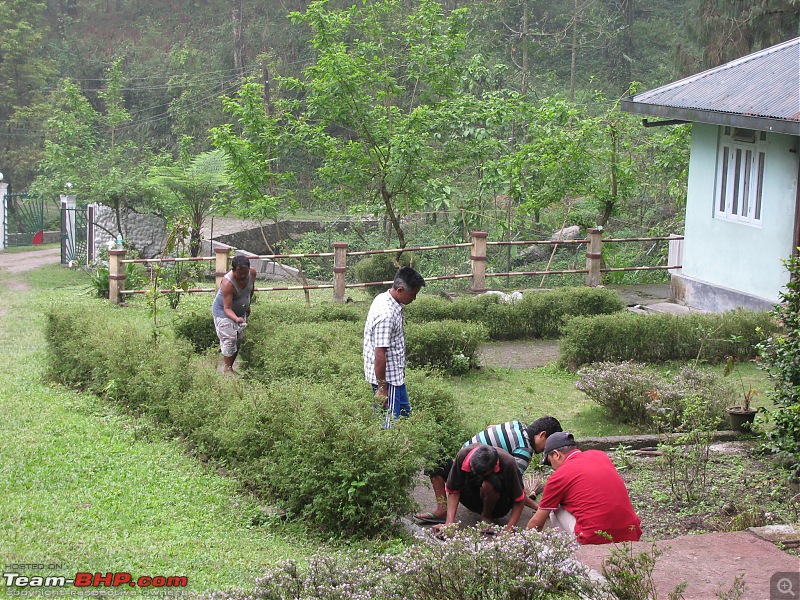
{"x": 742, "y": 415}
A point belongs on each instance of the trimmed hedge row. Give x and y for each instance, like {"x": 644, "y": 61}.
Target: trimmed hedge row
{"x": 197, "y": 326}
{"x": 314, "y": 448}
{"x": 537, "y": 315}
{"x": 663, "y": 337}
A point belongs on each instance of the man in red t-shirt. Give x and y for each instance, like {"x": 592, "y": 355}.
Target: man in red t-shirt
{"x": 585, "y": 495}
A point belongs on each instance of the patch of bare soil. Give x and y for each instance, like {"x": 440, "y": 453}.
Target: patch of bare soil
{"x": 519, "y": 355}
{"x": 19, "y": 262}
{"x": 730, "y": 491}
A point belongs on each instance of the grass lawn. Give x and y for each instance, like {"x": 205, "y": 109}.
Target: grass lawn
{"x": 92, "y": 489}
{"x": 87, "y": 488}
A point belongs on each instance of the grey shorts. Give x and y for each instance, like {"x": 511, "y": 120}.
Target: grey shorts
{"x": 229, "y": 334}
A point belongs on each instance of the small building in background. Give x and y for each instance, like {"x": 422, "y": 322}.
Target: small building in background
{"x": 743, "y": 202}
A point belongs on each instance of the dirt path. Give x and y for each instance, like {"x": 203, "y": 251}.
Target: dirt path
{"x": 19, "y": 262}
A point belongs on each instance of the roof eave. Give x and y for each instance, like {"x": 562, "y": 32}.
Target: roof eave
{"x": 697, "y": 115}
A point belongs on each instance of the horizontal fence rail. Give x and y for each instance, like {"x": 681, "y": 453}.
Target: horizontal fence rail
{"x": 478, "y": 274}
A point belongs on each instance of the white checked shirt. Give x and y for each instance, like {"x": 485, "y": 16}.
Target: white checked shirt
{"x": 384, "y": 329}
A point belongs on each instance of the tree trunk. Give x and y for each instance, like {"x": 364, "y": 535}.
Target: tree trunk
{"x": 574, "y": 58}
{"x": 238, "y": 46}
{"x": 388, "y": 198}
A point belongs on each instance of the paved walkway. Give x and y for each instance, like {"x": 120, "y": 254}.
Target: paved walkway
{"x": 708, "y": 563}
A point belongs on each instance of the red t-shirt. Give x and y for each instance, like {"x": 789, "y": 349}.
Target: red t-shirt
{"x": 588, "y": 486}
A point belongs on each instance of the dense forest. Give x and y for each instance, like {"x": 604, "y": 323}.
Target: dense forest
{"x": 387, "y": 106}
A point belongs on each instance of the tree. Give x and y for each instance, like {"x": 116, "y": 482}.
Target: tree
{"x": 85, "y": 147}
{"x": 387, "y": 104}
{"x": 605, "y": 159}
{"x": 727, "y": 30}
{"x": 253, "y": 148}
{"x": 25, "y": 69}
{"x": 188, "y": 188}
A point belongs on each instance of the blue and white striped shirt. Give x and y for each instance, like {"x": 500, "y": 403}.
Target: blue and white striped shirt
{"x": 511, "y": 437}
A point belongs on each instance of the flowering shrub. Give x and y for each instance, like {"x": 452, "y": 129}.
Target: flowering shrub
{"x": 634, "y": 393}
{"x": 526, "y": 565}
{"x": 625, "y": 389}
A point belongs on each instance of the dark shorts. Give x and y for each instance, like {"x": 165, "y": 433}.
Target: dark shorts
{"x": 442, "y": 467}
{"x": 471, "y": 497}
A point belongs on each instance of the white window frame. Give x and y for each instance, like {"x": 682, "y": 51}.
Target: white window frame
{"x": 741, "y": 159}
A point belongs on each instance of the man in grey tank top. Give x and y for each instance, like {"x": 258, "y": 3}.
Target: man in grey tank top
{"x": 231, "y": 307}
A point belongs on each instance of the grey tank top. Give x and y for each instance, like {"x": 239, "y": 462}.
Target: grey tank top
{"x": 241, "y": 298}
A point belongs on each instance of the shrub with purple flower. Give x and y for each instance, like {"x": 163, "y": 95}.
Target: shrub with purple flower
{"x": 526, "y": 565}
{"x": 638, "y": 394}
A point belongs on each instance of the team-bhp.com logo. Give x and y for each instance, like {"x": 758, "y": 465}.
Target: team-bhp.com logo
{"x": 92, "y": 580}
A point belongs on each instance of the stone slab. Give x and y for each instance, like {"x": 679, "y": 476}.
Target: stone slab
{"x": 788, "y": 535}
{"x": 710, "y": 562}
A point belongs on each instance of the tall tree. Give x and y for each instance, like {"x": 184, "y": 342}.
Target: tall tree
{"x": 385, "y": 101}
{"x": 727, "y": 30}
{"x": 25, "y": 67}
{"x": 83, "y": 147}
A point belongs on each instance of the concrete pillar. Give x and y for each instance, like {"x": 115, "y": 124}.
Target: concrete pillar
{"x": 68, "y": 234}
{"x": 594, "y": 256}
{"x": 3, "y": 212}
{"x": 675, "y": 255}
{"x": 478, "y": 261}
{"x": 116, "y": 276}
{"x": 221, "y": 253}
{"x": 339, "y": 270}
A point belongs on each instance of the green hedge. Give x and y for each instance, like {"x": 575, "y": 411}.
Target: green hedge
{"x": 314, "y": 351}
{"x": 379, "y": 267}
{"x": 539, "y": 314}
{"x": 197, "y": 326}
{"x": 663, "y": 337}
{"x": 451, "y": 346}
{"x": 315, "y": 448}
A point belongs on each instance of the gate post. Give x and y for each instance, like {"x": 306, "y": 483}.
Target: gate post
{"x": 339, "y": 270}
{"x": 3, "y": 212}
{"x": 478, "y": 261}
{"x": 68, "y": 240}
{"x": 116, "y": 276}
{"x": 594, "y": 256}
{"x": 90, "y": 233}
{"x": 220, "y": 264}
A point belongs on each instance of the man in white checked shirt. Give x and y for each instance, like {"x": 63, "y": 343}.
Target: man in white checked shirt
{"x": 385, "y": 344}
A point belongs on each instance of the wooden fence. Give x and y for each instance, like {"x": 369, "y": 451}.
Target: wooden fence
{"x": 477, "y": 275}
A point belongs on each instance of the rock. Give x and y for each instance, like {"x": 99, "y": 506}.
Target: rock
{"x": 567, "y": 233}
{"x": 515, "y": 296}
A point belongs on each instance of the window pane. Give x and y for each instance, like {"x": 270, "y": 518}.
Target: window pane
{"x": 748, "y": 158}
{"x": 723, "y": 186}
{"x": 759, "y": 185}
{"x": 737, "y": 175}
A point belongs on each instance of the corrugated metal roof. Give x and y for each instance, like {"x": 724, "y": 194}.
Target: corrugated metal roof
{"x": 761, "y": 89}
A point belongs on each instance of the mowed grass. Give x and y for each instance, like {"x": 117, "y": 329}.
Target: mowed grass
{"x": 86, "y": 487}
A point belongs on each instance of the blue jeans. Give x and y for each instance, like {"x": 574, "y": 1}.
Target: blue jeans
{"x": 398, "y": 405}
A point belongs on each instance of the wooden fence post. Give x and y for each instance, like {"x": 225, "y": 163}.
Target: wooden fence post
{"x": 594, "y": 256}
{"x": 478, "y": 261}
{"x": 339, "y": 270}
{"x": 116, "y": 276}
{"x": 220, "y": 264}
